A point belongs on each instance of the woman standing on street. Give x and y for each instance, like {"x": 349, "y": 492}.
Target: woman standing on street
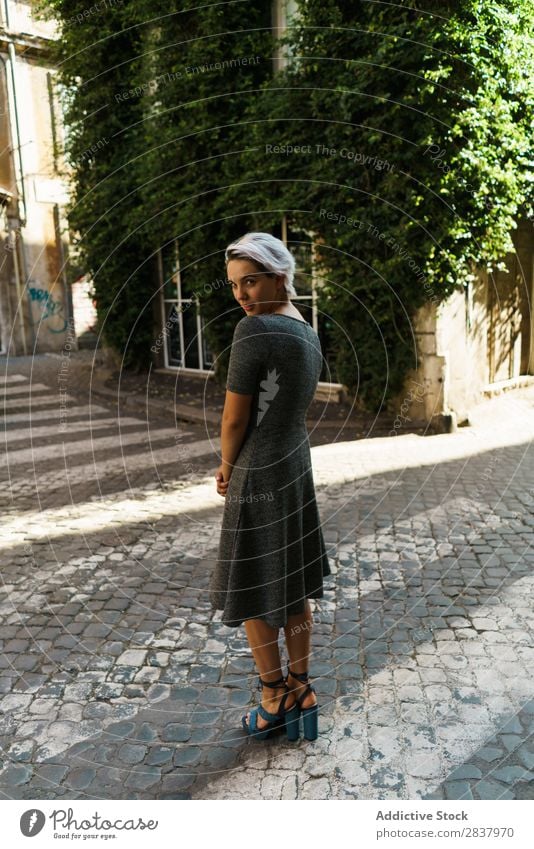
{"x": 272, "y": 556}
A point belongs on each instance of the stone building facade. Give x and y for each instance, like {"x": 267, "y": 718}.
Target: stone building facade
{"x": 35, "y": 306}
{"x": 479, "y": 342}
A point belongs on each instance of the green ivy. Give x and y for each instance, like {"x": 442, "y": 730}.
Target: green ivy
{"x": 211, "y": 62}
{"x": 415, "y": 123}
{"x": 439, "y": 99}
{"x": 99, "y": 56}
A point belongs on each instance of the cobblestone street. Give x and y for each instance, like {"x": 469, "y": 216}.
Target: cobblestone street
{"x": 118, "y": 682}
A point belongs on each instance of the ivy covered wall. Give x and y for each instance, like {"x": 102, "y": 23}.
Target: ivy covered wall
{"x": 398, "y": 139}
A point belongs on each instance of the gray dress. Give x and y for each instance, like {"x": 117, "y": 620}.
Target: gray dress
{"x": 272, "y": 554}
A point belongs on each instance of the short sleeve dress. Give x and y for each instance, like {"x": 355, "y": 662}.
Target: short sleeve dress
{"x": 272, "y": 554}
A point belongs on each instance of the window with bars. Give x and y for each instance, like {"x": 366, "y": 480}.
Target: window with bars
{"x": 182, "y": 322}
{"x": 185, "y": 343}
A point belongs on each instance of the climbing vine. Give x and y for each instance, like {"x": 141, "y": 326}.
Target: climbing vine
{"x": 401, "y": 138}
{"x": 397, "y": 140}
{"x": 101, "y": 69}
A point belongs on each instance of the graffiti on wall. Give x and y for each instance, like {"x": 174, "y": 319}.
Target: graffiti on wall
{"x": 51, "y": 309}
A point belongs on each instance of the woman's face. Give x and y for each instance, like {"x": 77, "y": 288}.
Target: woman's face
{"x": 256, "y": 291}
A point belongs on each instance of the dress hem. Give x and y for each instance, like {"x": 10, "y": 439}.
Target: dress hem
{"x": 234, "y": 623}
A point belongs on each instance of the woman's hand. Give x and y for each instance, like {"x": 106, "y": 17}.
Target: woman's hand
{"x": 221, "y": 483}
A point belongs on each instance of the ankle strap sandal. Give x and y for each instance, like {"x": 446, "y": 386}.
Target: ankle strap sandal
{"x": 310, "y": 715}
{"x": 288, "y": 719}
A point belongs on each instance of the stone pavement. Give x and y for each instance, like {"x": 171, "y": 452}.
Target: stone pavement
{"x": 117, "y": 681}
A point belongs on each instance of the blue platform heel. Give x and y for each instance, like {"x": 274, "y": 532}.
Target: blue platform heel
{"x": 310, "y": 715}
{"x": 289, "y": 719}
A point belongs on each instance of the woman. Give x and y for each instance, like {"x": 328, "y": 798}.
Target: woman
{"x": 272, "y": 556}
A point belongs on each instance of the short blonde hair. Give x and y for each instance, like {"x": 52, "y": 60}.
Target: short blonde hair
{"x": 266, "y": 251}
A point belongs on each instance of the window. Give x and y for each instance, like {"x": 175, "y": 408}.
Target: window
{"x": 308, "y": 285}
{"x": 185, "y": 345}
{"x": 183, "y": 338}
{"x": 282, "y": 13}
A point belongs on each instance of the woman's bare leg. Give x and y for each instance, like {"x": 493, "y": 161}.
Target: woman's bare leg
{"x": 263, "y": 641}
{"x": 298, "y": 640}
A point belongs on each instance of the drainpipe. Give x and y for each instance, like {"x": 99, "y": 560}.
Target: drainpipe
{"x": 67, "y": 290}
{"x": 14, "y": 250}
{"x": 14, "y": 120}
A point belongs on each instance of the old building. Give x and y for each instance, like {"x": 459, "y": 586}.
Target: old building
{"x": 479, "y": 342}
{"x": 35, "y": 312}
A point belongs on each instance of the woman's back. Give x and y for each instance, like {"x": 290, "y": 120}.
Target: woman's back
{"x": 278, "y": 359}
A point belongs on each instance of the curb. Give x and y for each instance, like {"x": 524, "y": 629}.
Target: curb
{"x": 185, "y": 413}
{"x": 182, "y": 412}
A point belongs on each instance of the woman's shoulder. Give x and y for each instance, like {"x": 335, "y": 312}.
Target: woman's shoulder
{"x": 247, "y": 324}
{"x": 249, "y": 327}
{"x": 269, "y": 316}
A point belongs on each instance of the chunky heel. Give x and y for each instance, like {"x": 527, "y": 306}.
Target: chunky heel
{"x": 310, "y": 722}
{"x": 292, "y": 724}
{"x": 310, "y": 715}
{"x": 288, "y": 719}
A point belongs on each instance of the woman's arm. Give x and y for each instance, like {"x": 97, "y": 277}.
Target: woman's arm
{"x": 235, "y": 418}
{"x": 249, "y": 353}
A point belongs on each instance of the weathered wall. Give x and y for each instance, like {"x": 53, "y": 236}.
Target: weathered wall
{"x": 462, "y": 341}
{"x": 44, "y": 189}
{"x": 524, "y": 249}
{"x": 478, "y": 336}
{"x": 37, "y": 297}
